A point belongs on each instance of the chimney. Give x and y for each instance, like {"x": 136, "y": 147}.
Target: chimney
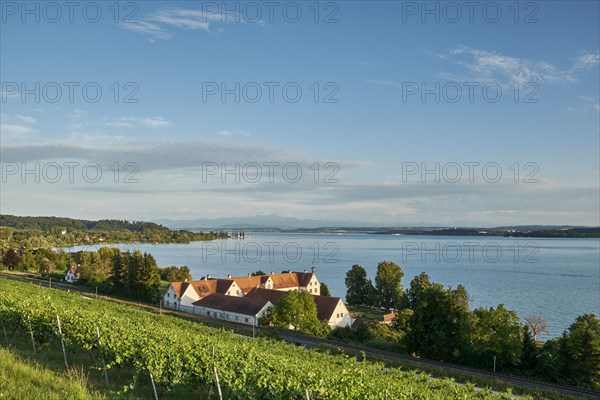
{"x": 229, "y": 276}
{"x": 249, "y": 274}
{"x": 272, "y": 273}
{"x": 313, "y": 269}
{"x": 305, "y": 271}
{"x": 207, "y": 276}
{"x": 290, "y": 271}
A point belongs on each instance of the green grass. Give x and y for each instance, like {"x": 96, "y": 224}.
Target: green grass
{"x": 366, "y": 313}
{"x": 21, "y": 379}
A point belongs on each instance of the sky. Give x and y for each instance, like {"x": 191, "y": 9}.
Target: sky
{"x": 387, "y": 112}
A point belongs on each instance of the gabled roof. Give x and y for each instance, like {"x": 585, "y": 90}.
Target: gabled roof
{"x": 326, "y": 305}
{"x": 203, "y": 287}
{"x": 386, "y": 318}
{"x": 74, "y": 269}
{"x": 304, "y": 278}
{"x": 285, "y": 280}
{"x": 265, "y": 294}
{"x": 177, "y": 287}
{"x": 247, "y": 283}
{"x": 240, "y": 305}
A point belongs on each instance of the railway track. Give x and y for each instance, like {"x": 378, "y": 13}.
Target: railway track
{"x": 307, "y": 340}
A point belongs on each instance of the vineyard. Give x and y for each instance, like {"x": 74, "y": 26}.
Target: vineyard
{"x": 175, "y": 353}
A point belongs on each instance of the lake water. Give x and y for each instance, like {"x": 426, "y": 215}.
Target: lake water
{"x": 556, "y": 278}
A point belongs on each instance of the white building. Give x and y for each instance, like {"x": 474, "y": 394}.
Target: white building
{"x": 232, "y": 308}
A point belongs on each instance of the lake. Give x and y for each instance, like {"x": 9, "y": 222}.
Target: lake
{"x": 556, "y": 278}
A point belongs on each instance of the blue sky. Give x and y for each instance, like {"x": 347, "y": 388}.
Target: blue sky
{"x": 370, "y": 62}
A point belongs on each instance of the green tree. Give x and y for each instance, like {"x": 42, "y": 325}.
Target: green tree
{"x": 298, "y": 310}
{"x": 28, "y": 262}
{"x": 549, "y": 365}
{"x": 175, "y": 274}
{"x": 496, "y": 333}
{"x": 582, "y": 347}
{"x": 440, "y": 321}
{"x": 147, "y": 277}
{"x": 529, "y": 352}
{"x": 120, "y": 273}
{"x": 359, "y": 289}
{"x": 46, "y": 267}
{"x": 388, "y": 283}
{"x": 258, "y": 273}
{"x": 325, "y": 289}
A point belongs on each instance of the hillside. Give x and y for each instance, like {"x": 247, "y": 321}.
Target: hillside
{"x": 56, "y": 231}
{"x": 180, "y": 353}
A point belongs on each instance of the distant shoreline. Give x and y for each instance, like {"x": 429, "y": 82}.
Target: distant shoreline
{"x": 546, "y": 232}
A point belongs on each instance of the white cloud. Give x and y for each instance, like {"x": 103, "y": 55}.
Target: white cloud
{"x": 185, "y": 19}
{"x": 13, "y": 132}
{"x": 155, "y": 24}
{"x": 587, "y": 60}
{"x": 234, "y": 132}
{"x": 157, "y": 122}
{"x": 147, "y": 28}
{"x": 121, "y": 122}
{"x": 26, "y": 118}
{"x": 488, "y": 65}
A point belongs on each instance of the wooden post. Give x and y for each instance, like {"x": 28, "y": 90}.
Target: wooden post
{"x": 50, "y": 283}
{"x": 216, "y": 375}
{"x": 4, "y": 329}
{"x": 153, "y": 385}
{"x": 31, "y": 332}
{"x": 306, "y": 394}
{"x": 218, "y": 384}
{"x": 62, "y": 342}
{"x": 103, "y": 363}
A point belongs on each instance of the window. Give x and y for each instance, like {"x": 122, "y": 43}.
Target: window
{"x": 168, "y": 295}
{"x": 310, "y": 290}
{"x": 208, "y": 313}
{"x": 237, "y": 292}
{"x": 228, "y": 293}
{"x": 246, "y": 319}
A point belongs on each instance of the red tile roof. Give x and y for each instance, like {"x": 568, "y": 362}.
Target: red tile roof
{"x": 240, "y": 305}
{"x": 247, "y": 283}
{"x": 177, "y": 286}
{"x": 325, "y": 304}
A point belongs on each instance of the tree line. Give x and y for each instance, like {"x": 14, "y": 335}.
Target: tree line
{"x": 436, "y": 322}
{"x": 30, "y": 233}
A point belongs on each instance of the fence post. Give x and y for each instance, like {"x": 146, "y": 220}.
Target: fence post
{"x": 62, "y": 342}
{"x": 153, "y": 385}
{"x": 103, "y": 362}
{"x": 31, "y": 332}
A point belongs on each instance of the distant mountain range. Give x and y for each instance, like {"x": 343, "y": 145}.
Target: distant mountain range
{"x": 288, "y": 224}
{"x": 259, "y": 221}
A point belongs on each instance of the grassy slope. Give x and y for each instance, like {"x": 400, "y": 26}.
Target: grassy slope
{"x": 21, "y": 379}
